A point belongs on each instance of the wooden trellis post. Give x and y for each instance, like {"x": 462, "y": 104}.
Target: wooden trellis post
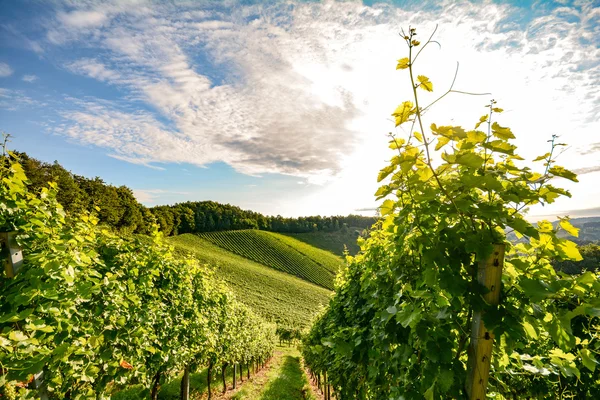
{"x": 489, "y": 274}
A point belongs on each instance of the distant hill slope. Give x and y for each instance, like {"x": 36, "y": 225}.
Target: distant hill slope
{"x": 286, "y": 299}
{"x": 280, "y": 252}
{"x": 334, "y": 242}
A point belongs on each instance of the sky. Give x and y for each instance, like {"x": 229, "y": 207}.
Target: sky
{"x": 284, "y": 107}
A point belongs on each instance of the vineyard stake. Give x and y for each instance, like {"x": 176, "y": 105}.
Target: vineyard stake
{"x": 489, "y": 274}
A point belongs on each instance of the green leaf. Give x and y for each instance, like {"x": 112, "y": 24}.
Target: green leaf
{"x": 570, "y": 229}
{"x": 387, "y": 207}
{"x": 500, "y": 146}
{"x": 470, "y": 160}
{"x": 535, "y": 289}
{"x": 441, "y": 142}
{"x": 385, "y": 172}
{"x": 564, "y": 173}
{"x": 391, "y": 310}
{"x": 425, "y": 83}
{"x": 482, "y": 119}
{"x": 540, "y": 158}
{"x": 403, "y": 63}
{"x": 17, "y": 336}
{"x": 530, "y": 330}
{"x": 588, "y": 359}
{"x": 403, "y": 112}
{"x": 502, "y": 132}
{"x": 429, "y": 393}
{"x": 560, "y": 331}
{"x": 396, "y": 143}
{"x": 569, "y": 250}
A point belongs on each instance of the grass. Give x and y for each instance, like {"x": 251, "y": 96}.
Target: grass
{"x": 280, "y": 297}
{"x": 285, "y": 380}
{"x": 280, "y": 252}
{"x": 171, "y": 390}
{"x": 334, "y": 242}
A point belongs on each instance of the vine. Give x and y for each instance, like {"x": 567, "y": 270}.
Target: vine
{"x": 399, "y": 322}
{"x": 95, "y": 312}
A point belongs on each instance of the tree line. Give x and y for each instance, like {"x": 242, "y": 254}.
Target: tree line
{"x": 91, "y": 312}
{"x": 118, "y": 208}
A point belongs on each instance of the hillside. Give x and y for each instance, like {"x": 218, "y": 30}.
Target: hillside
{"x": 286, "y": 299}
{"x": 334, "y": 242}
{"x": 280, "y": 252}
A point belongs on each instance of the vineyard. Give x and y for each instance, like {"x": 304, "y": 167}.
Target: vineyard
{"x": 91, "y": 313}
{"x": 333, "y": 242}
{"x": 280, "y": 252}
{"x": 438, "y": 303}
{"x": 287, "y": 300}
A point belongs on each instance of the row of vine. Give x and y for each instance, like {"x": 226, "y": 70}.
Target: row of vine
{"x": 399, "y": 324}
{"x": 94, "y": 312}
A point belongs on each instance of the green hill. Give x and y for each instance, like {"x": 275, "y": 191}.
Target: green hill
{"x": 334, "y": 242}
{"x": 280, "y": 252}
{"x": 286, "y": 299}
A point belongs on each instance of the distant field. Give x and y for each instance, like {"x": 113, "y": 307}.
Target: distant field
{"x": 280, "y": 252}
{"x": 285, "y": 299}
{"x": 330, "y": 241}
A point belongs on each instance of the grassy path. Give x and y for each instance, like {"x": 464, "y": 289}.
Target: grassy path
{"x": 284, "y": 380}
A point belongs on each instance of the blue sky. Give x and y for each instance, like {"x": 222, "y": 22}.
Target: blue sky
{"x": 283, "y": 107}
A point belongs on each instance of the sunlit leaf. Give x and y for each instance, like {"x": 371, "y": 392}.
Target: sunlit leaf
{"x": 425, "y": 83}
{"x": 403, "y": 112}
{"x": 403, "y": 63}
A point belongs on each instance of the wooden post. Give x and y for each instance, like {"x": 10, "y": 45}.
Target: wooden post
{"x": 489, "y": 274}
{"x": 185, "y": 384}
{"x": 234, "y": 371}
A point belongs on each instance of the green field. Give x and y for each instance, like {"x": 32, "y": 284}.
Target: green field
{"x": 280, "y": 252}
{"x": 285, "y": 299}
{"x": 334, "y": 242}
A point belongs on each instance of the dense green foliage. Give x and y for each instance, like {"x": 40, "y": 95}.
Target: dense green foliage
{"x": 399, "y": 323}
{"x": 280, "y": 252}
{"x": 119, "y": 209}
{"x": 590, "y": 261}
{"x": 280, "y": 297}
{"x": 92, "y": 310}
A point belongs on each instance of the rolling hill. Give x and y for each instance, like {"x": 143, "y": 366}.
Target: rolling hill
{"x": 280, "y": 252}
{"x": 279, "y": 296}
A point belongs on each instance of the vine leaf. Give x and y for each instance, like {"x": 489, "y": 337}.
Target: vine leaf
{"x": 425, "y": 83}
{"x": 570, "y": 229}
{"x": 564, "y": 173}
{"x": 501, "y": 132}
{"x": 387, "y": 207}
{"x": 403, "y": 63}
{"x": 403, "y": 112}
{"x": 588, "y": 359}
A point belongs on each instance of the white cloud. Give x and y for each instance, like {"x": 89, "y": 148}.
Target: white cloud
{"x": 30, "y": 78}
{"x": 5, "y": 70}
{"x": 82, "y": 19}
{"x": 307, "y": 89}
{"x": 94, "y": 69}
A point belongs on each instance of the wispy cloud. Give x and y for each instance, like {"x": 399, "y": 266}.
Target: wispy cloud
{"x": 5, "y": 70}
{"x": 279, "y": 88}
{"x": 30, "y": 78}
{"x": 307, "y": 89}
{"x": 11, "y": 100}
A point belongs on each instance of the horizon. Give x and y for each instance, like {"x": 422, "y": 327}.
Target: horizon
{"x": 172, "y": 101}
